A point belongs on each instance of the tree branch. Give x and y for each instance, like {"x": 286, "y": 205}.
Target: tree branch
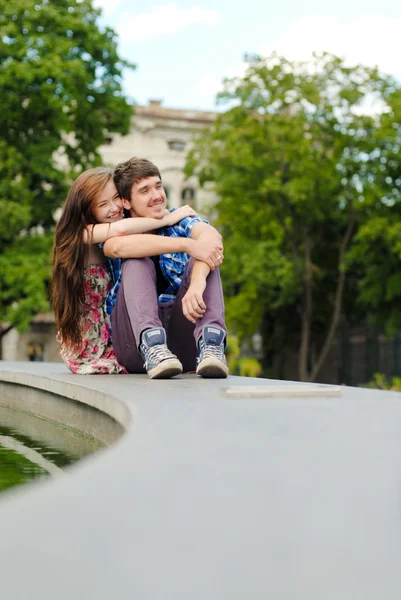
{"x": 306, "y": 316}
{"x": 291, "y": 240}
{"x": 5, "y": 328}
{"x": 338, "y": 299}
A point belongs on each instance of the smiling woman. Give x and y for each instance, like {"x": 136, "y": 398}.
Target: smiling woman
{"x": 80, "y": 276}
{"x": 108, "y": 206}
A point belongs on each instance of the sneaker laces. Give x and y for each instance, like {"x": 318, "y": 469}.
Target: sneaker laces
{"x": 159, "y": 352}
{"x": 211, "y": 351}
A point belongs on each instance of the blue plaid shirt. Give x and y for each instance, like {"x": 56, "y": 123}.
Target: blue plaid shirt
{"x": 172, "y": 264}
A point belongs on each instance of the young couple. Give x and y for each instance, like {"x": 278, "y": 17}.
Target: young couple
{"x": 164, "y": 299}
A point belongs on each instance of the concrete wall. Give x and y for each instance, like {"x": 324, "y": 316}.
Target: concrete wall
{"x": 38, "y": 343}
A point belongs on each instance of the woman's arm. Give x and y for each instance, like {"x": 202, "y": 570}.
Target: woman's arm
{"x": 94, "y": 234}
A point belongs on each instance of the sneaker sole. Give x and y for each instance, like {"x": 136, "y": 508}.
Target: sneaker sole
{"x": 166, "y": 369}
{"x": 211, "y": 368}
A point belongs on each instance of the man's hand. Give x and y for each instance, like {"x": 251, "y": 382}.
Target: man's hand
{"x": 193, "y": 306}
{"x": 208, "y": 251}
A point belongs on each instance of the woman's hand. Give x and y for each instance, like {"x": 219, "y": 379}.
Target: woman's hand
{"x": 177, "y": 215}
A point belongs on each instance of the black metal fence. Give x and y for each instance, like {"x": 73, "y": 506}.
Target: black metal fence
{"x": 364, "y": 351}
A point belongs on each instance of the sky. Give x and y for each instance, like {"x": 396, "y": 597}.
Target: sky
{"x": 184, "y": 49}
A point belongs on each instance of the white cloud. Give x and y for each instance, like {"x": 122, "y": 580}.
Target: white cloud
{"x": 164, "y": 20}
{"x": 209, "y": 83}
{"x": 369, "y": 39}
{"x": 108, "y": 7}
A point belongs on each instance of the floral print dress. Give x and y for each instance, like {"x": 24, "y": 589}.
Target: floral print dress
{"x": 95, "y": 354}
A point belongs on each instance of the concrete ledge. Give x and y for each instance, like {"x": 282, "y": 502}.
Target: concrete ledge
{"x": 66, "y": 438}
{"x": 76, "y": 391}
{"x": 76, "y": 414}
{"x": 213, "y": 497}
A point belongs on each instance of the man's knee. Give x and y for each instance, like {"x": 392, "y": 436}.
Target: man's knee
{"x": 137, "y": 265}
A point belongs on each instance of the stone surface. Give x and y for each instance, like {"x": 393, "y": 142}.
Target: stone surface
{"x": 209, "y": 497}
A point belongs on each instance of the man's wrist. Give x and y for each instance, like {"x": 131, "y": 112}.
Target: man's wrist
{"x": 199, "y": 274}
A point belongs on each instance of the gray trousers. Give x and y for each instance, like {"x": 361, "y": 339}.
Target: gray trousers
{"x": 137, "y": 308}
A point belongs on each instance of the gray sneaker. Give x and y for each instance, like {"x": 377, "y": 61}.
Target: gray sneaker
{"x": 160, "y": 363}
{"x": 211, "y": 359}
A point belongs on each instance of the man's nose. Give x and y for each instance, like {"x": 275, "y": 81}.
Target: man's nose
{"x": 156, "y": 193}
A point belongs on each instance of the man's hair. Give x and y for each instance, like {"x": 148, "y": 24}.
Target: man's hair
{"x": 131, "y": 171}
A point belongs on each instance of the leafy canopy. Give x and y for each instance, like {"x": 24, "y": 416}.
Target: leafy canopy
{"x": 60, "y": 97}
{"x": 299, "y": 160}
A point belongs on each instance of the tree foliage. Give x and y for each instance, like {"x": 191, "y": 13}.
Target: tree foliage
{"x": 60, "y": 96}
{"x": 301, "y": 159}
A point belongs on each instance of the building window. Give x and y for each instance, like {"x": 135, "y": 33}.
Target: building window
{"x": 176, "y": 145}
{"x": 187, "y": 195}
{"x": 35, "y": 352}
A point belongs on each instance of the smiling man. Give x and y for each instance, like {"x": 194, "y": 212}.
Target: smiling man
{"x": 168, "y": 309}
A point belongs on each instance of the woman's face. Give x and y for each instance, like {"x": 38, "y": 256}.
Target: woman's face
{"x": 108, "y": 206}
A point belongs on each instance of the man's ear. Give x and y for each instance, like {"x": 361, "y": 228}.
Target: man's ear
{"x": 126, "y": 204}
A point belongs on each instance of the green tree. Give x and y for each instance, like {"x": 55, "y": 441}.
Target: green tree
{"x": 376, "y": 252}
{"x": 296, "y": 163}
{"x": 60, "y": 97}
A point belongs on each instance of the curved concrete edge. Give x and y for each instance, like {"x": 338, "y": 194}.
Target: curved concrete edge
{"x": 79, "y": 392}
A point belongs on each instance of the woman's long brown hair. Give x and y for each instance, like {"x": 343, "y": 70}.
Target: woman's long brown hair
{"x": 70, "y": 253}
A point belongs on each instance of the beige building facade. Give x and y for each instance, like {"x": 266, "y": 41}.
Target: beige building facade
{"x": 162, "y": 135}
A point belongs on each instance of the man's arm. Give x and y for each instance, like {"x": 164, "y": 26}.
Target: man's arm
{"x": 140, "y": 246}
{"x": 193, "y": 305}
{"x": 204, "y": 231}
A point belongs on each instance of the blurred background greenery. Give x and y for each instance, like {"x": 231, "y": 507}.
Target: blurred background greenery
{"x": 304, "y": 158}
{"x": 60, "y": 96}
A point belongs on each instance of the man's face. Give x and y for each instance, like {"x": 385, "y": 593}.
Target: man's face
{"x": 148, "y": 198}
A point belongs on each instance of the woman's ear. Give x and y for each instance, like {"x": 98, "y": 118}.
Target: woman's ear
{"x": 126, "y": 204}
